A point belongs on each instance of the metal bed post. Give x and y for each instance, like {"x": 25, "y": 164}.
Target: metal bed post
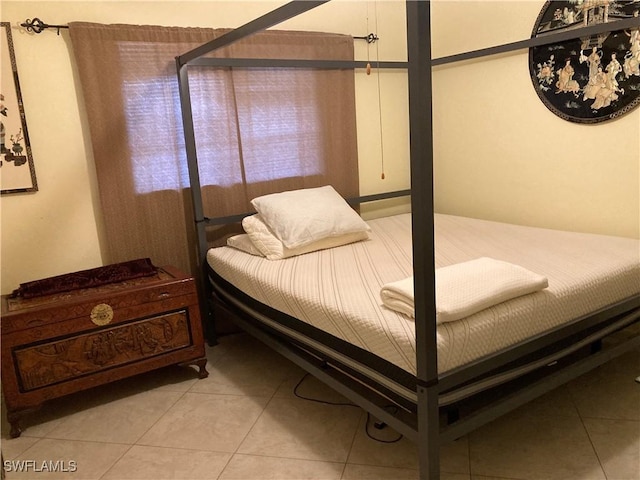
{"x": 421, "y": 156}
{"x": 196, "y": 198}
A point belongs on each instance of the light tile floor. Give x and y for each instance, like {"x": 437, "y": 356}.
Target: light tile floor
{"x": 244, "y": 422}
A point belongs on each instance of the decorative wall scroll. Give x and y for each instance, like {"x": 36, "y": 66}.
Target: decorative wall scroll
{"x": 593, "y": 79}
{"x": 17, "y": 173}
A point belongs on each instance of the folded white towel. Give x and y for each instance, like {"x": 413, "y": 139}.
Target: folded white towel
{"x": 398, "y": 296}
{"x": 467, "y": 288}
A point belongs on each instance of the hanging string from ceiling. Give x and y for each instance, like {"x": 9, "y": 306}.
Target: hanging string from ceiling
{"x": 375, "y": 13}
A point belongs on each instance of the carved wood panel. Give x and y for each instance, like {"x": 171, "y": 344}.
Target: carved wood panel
{"x": 59, "y": 360}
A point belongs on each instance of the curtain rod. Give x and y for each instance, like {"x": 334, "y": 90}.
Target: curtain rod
{"x": 38, "y": 26}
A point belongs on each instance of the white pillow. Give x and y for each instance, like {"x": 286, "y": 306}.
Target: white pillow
{"x": 300, "y": 217}
{"x": 272, "y": 248}
{"x": 244, "y": 243}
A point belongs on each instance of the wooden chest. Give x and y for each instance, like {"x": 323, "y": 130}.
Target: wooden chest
{"x": 57, "y": 344}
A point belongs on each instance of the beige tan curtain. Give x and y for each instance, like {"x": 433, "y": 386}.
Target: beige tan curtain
{"x": 257, "y": 131}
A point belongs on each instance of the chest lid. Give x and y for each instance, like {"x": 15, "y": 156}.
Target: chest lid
{"x": 165, "y": 283}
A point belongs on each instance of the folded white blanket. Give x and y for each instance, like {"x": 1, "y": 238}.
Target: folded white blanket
{"x": 467, "y": 288}
{"x": 398, "y": 296}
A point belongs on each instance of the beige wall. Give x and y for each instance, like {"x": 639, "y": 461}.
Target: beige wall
{"x": 494, "y": 158}
{"x": 501, "y": 154}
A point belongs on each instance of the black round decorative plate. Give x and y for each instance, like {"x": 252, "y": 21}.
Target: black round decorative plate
{"x": 591, "y": 79}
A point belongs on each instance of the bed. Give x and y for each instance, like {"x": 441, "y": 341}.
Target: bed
{"x": 328, "y": 303}
{"x": 337, "y": 290}
{"x": 432, "y": 381}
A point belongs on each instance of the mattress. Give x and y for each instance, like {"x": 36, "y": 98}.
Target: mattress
{"x": 338, "y": 290}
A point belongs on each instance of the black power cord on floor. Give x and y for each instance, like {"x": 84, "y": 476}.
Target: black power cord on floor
{"x": 377, "y": 425}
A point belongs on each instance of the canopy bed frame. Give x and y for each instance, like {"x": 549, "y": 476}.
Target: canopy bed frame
{"x": 511, "y": 377}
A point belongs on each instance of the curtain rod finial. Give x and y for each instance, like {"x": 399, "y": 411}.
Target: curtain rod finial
{"x": 38, "y": 26}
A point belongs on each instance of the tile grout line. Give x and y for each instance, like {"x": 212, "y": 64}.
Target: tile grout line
{"x": 235, "y": 452}
{"x": 135, "y": 443}
{"x": 586, "y": 431}
{"x": 353, "y": 441}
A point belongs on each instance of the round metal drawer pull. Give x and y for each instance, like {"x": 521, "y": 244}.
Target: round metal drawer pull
{"x": 101, "y": 314}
